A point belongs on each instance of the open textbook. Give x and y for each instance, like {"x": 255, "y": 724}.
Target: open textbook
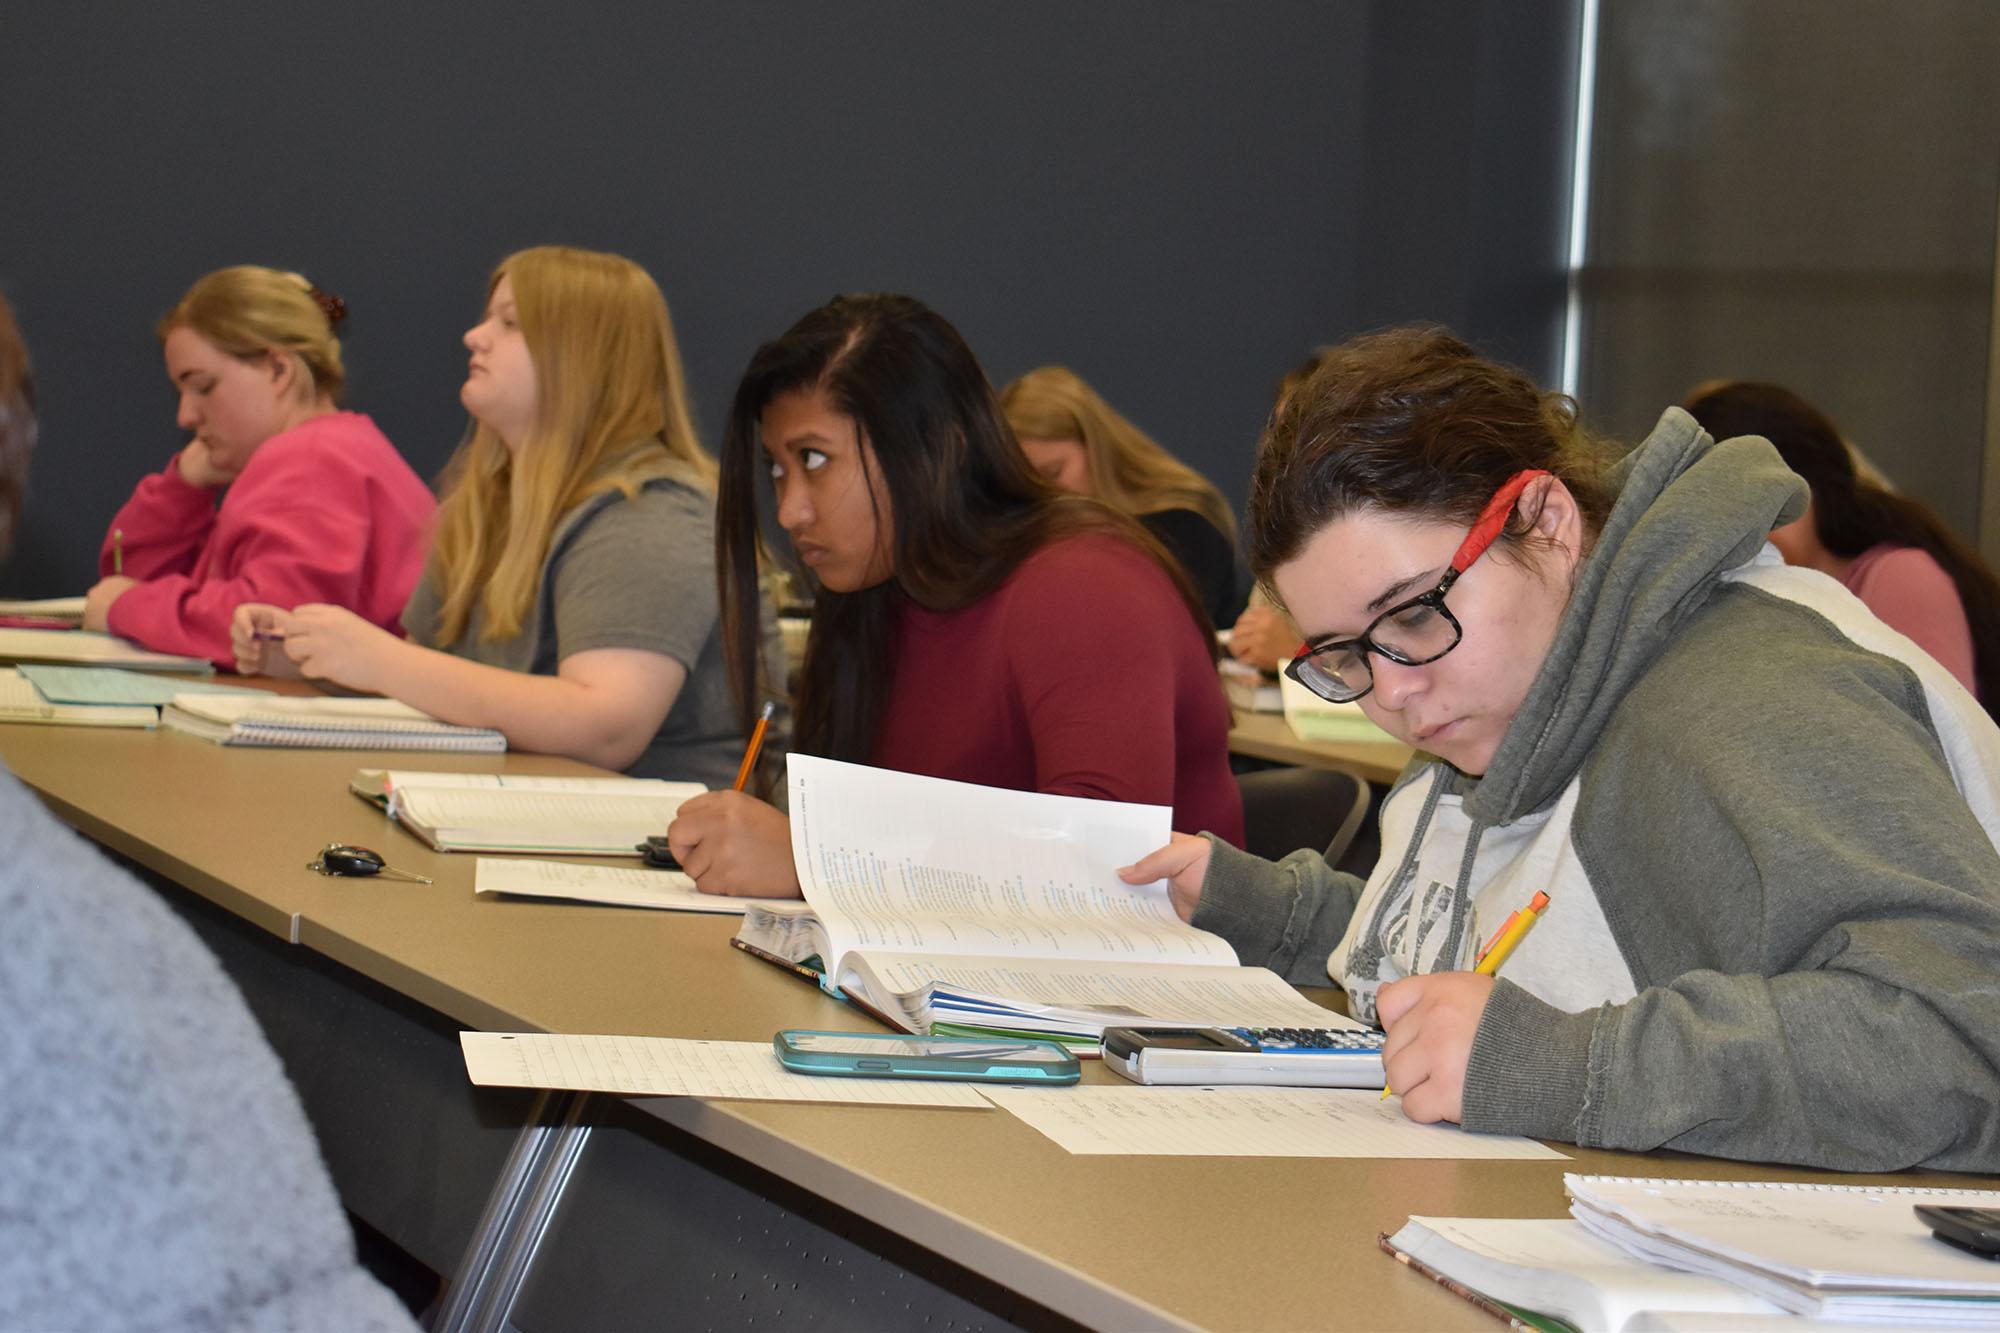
{"x": 507, "y": 812}
{"x": 949, "y": 907}
{"x": 309, "y": 722}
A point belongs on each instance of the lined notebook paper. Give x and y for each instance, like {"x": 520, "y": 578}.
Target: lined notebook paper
{"x": 273, "y": 720}
{"x": 677, "y": 1067}
{"x": 1247, "y": 1122}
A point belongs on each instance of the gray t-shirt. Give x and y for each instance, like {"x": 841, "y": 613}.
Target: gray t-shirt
{"x": 636, "y": 573}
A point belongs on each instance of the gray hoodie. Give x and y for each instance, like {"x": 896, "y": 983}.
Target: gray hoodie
{"x": 1770, "y": 821}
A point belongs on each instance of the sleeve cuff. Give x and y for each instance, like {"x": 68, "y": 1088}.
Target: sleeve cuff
{"x": 1529, "y": 1072}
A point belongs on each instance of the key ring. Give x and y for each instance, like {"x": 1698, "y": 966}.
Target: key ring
{"x": 350, "y": 862}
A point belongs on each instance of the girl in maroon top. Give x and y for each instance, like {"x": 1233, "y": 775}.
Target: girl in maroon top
{"x": 970, "y": 621}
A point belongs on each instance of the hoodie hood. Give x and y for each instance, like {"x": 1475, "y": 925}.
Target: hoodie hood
{"x": 1688, "y": 510}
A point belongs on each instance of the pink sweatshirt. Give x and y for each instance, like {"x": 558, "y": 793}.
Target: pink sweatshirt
{"x": 324, "y": 512}
{"x": 1910, "y": 592}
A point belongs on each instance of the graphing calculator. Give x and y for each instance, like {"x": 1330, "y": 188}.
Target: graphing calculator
{"x": 1280, "y": 1057}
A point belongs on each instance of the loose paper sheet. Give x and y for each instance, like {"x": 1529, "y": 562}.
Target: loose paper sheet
{"x": 614, "y": 886}
{"x": 1248, "y": 1122}
{"x": 677, "y": 1067}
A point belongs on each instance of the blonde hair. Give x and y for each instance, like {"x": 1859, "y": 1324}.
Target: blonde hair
{"x": 1128, "y": 470}
{"x": 249, "y": 311}
{"x": 611, "y": 414}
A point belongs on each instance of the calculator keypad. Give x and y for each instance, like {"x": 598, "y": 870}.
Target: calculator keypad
{"x": 1305, "y": 1041}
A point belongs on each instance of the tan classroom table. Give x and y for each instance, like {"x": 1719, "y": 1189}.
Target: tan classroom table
{"x": 1269, "y": 736}
{"x": 973, "y": 1202}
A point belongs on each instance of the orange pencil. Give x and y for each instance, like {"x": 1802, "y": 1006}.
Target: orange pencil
{"x": 756, "y": 744}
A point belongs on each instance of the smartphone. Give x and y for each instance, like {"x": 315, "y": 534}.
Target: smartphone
{"x": 1974, "y": 1229}
{"x": 885, "y": 1055}
{"x": 1274, "y": 1057}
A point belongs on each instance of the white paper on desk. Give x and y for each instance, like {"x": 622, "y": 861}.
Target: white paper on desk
{"x": 678, "y": 1067}
{"x": 1247, "y": 1122}
{"x": 613, "y": 886}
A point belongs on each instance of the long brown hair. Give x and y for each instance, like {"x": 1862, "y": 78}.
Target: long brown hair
{"x": 1851, "y": 513}
{"x": 967, "y": 507}
{"x": 1412, "y": 421}
{"x": 1128, "y": 469}
{"x": 611, "y": 414}
{"x": 17, "y": 424}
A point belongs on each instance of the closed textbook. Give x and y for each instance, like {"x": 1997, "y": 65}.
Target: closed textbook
{"x": 276, "y": 720}
{"x": 949, "y": 907}
{"x": 546, "y": 816}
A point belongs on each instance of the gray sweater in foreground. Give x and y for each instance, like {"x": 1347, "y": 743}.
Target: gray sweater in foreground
{"x": 156, "y": 1170}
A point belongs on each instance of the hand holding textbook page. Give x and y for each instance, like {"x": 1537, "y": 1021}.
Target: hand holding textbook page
{"x": 947, "y": 906}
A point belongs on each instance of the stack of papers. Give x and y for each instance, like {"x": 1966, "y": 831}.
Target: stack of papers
{"x": 1848, "y": 1252}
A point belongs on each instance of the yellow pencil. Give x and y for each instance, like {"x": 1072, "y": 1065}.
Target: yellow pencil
{"x": 1512, "y": 931}
{"x": 117, "y": 550}
{"x": 756, "y": 744}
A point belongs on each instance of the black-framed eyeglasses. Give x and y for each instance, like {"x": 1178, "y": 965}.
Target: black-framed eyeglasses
{"x": 1411, "y": 632}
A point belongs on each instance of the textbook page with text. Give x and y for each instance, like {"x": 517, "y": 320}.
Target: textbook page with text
{"x": 950, "y": 906}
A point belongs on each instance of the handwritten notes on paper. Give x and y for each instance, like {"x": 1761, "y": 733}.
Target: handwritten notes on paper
{"x": 1247, "y": 1122}
{"x": 613, "y": 886}
{"x": 678, "y": 1067}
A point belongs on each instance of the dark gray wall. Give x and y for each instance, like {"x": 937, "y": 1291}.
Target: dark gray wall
{"x": 1176, "y": 201}
{"x": 1804, "y": 192}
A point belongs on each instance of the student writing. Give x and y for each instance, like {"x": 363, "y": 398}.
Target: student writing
{"x": 318, "y": 505}
{"x": 570, "y": 598}
{"x": 970, "y": 621}
{"x": 1765, "y": 823}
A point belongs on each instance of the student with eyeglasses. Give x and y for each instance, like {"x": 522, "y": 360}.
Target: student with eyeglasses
{"x": 1765, "y": 823}
{"x": 971, "y": 621}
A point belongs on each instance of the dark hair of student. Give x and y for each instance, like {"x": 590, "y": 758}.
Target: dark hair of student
{"x": 1411, "y": 421}
{"x": 1851, "y": 513}
{"x": 967, "y": 506}
{"x": 17, "y": 424}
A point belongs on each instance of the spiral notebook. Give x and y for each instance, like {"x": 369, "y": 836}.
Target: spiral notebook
{"x": 272, "y": 720}
{"x": 1849, "y": 1252}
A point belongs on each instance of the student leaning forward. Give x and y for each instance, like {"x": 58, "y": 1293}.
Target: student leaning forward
{"x": 1765, "y": 822}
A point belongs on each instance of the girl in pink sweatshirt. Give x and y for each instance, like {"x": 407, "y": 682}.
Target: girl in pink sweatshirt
{"x": 316, "y": 504}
